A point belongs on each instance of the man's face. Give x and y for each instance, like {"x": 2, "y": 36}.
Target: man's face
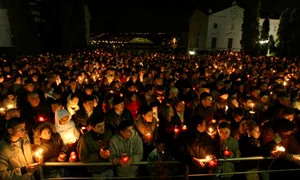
{"x": 127, "y": 133}
{"x": 11, "y": 114}
{"x": 55, "y": 107}
{"x": 201, "y": 127}
{"x": 207, "y": 101}
{"x": 88, "y": 106}
{"x": 34, "y": 100}
{"x": 119, "y": 107}
{"x": 17, "y": 131}
{"x": 99, "y": 128}
{"x": 180, "y": 107}
{"x": 29, "y": 87}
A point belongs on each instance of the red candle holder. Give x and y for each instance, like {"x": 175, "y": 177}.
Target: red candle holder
{"x": 73, "y": 156}
{"x": 227, "y": 152}
{"x": 40, "y": 118}
{"x": 124, "y": 157}
{"x": 176, "y": 130}
{"x": 212, "y": 161}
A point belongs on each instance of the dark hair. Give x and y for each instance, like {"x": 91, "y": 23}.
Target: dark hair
{"x": 204, "y": 95}
{"x": 197, "y": 120}
{"x": 13, "y": 122}
{"x": 238, "y": 112}
{"x": 284, "y": 125}
{"x": 145, "y": 109}
{"x": 54, "y": 101}
{"x": 223, "y": 125}
{"x": 125, "y": 124}
{"x": 287, "y": 111}
{"x": 95, "y": 119}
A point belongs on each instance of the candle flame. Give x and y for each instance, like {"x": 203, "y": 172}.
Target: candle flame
{"x": 280, "y": 148}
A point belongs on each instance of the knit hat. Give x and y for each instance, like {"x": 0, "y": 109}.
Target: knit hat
{"x": 61, "y": 113}
{"x": 117, "y": 100}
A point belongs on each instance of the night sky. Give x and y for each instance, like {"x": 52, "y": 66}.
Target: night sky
{"x": 162, "y": 15}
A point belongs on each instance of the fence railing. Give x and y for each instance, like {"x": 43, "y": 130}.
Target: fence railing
{"x": 185, "y": 176}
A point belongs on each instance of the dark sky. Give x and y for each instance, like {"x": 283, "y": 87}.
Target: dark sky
{"x": 161, "y": 15}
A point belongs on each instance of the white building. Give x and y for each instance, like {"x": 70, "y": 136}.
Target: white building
{"x": 5, "y": 32}
{"x": 221, "y": 30}
{"x": 274, "y": 24}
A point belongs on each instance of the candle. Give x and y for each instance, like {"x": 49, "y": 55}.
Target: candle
{"x": 121, "y": 95}
{"x": 124, "y": 157}
{"x": 214, "y": 121}
{"x": 2, "y": 110}
{"x": 184, "y": 128}
{"x": 212, "y": 161}
{"x": 111, "y": 91}
{"x": 72, "y": 156}
{"x": 148, "y": 135}
{"x": 284, "y": 83}
{"x": 176, "y": 130}
{"x": 252, "y": 104}
{"x": 210, "y": 130}
{"x": 41, "y": 118}
{"x": 10, "y": 106}
{"x": 38, "y": 154}
{"x": 226, "y": 108}
{"x": 227, "y": 152}
{"x": 279, "y": 149}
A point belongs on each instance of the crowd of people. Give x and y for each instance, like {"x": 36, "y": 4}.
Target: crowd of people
{"x": 96, "y": 106}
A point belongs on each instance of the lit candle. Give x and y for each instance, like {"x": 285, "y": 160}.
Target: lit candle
{"x": 2, "y": 110}
{"x": 148, "y": 135}
{"x": 214, "y": 121}
{"x": 212, "y": 161}
{"x": 121, "y": 95}
{"x": 41, "y": 118}
{"x": 111, "y": 91}
{"x": 184, "y": 128}
{"x": 226, "y": 108}
{"x": 176, "y": 130}
{"x": 227, "y": 152}
{"x": 10, "y": 106}
{"x": 72, "y": 156}
{"x": 124, "y": 157}
{"x": 284, "y": 83}
{"x": 210, "y": 130}
{"x": 252, "y": 104}
{"x": 279, "y": 149}
{"x": 38, "y": 154}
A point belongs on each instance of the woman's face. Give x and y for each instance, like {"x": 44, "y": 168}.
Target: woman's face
{"x": 224, "y": 133}
{"x": 46, "y": 133}
{"x": 133, "y": 98}
{"x": 64, "y": 120}
{"x": 255, "y": 133}
{"x": 148, "y": 116}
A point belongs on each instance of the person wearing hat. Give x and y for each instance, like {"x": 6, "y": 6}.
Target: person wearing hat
{"x": 117, "y": 114}
{"x": 82, "y": 116}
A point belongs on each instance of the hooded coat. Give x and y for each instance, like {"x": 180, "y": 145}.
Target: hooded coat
{"x": 133, "y": 147}
{"x": 51, "y": 148}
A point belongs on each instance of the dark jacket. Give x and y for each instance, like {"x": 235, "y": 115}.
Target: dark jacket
{"x": 113, "y": 119}
{"x": 194, "y": 144}
{"x": 146, "y": 130}
{"x": 89, "y": 146}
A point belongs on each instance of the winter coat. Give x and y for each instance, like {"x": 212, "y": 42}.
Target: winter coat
{"x": 51, "y": 148}
{"x": 89, "y": 146}
{"x": 233, "y": 146}
{"x": 13, "y": 158}
{"x": 146, "y": 130}
{"x": 133, "y": 147}
{"x": 113, "y": 119}
{"x": 194, "y": 144}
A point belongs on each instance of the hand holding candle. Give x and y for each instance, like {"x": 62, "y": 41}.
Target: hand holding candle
{"x": 176, "y": 130}
{"x": 104, "y": 154}
{"x": 38, "y": 157}
{"x": 212, "y": 161}
{"x": 227, "y": 152}
{"x": 73, "y": 157}
{"x": 62, "y": 157}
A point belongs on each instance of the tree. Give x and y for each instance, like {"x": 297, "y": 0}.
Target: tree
{"x": 284, "y": 34}
{"x": 295, "y": 26}
{"x": 250, "y": 28}
{"x": 264, "y": 36}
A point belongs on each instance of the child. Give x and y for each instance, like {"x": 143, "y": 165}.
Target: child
{"x": 66, "y": 127}
{"x": 49, "y": 144}
{"x": 229, "y": 148}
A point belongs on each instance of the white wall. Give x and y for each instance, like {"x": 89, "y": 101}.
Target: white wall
{"x": 274, "y": 24}
{"x": 5, "y": 32}
{"x": 229, "y": 22}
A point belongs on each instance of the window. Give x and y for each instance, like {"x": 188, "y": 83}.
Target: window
{"x": 231, "y": 26}
{"x": 215, "y": 25}
{"x": 230, "y": 41}
{"x": 213, "y": 43}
